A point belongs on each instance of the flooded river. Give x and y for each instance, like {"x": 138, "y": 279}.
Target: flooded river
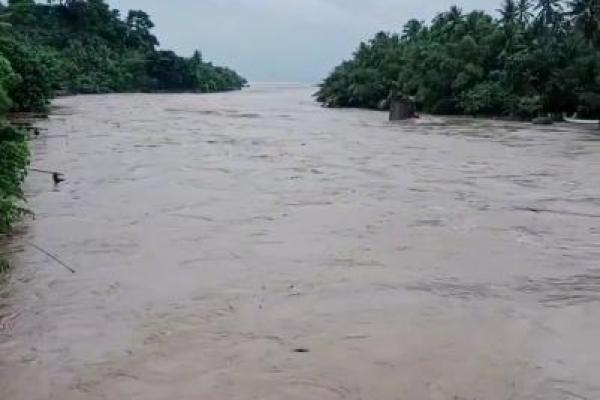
{"x": 253, "y": 245}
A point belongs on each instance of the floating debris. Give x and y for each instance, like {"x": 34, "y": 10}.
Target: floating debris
{"x": 57, "y": 177}
{"x": 301, "y": 350}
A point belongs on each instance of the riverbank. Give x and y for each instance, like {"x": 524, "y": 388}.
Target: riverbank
{"x": 80, "y": 47}
{"x": 529, "y": 60}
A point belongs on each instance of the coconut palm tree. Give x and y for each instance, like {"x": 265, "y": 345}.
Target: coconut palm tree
{"x": 508, "y": 12}
{"x": 585, "y": 15}
{"x": 524, "y": 13}
{"x": 411, "y": 29}
{"x": 549, "y": 12}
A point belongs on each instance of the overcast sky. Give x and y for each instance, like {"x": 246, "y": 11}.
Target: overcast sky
{"x": 282, "y": 40}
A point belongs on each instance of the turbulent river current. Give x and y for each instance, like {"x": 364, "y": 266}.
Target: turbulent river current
{"x": 254, "y": 246}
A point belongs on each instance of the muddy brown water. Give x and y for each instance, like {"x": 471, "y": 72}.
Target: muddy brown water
{"x": 252, "y": 245}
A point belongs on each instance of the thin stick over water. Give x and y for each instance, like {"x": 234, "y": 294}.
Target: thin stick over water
{"x": 43, "y": 171}
{"x": 52, "y": 256}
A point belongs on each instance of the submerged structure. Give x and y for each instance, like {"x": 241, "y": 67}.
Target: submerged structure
{"x": 402, "y": 108}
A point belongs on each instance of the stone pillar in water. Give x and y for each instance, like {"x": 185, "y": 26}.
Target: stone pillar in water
{"x": 402, "y": 109}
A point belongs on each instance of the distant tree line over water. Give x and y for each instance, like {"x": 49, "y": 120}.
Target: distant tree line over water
{"x": 536, "y": 57}
{"x": 84, "y": 46}
{"x": 81, "y": 46}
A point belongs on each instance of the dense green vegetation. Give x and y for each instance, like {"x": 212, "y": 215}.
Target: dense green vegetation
{"x": 14, "y": 153}
{"x": 80, "y": 46}
{"x": 14, "y": 159}
{"x": 535, "y": 58}
{"x": 83, "y": 46}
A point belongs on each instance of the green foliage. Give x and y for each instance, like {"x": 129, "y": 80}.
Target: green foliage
{"x": 83, "y": 46}
{"x": 7, "y": 80}
{"x": 35, "y": 66}
{"x": 14, "y": 159}
{"x": 529, "y": 105}
{"x": 484, "y": 98}
{"x": 536, "y": 57}
{"x": 14, "y": 153}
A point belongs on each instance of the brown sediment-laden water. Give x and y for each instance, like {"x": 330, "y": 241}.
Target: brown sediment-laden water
{"x": 253, "y": 245}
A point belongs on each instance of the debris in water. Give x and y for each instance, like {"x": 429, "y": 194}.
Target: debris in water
{"x": 301, "y": 350}
{"x": 57, "y": 177}
{"x": 52, "y": 256}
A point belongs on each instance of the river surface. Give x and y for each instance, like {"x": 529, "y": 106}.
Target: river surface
{"x": 253, "y": 245}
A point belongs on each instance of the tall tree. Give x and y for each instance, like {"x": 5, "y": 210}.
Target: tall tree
{"x": 549, "y": 15}
{"x": 508, "y": 12}
{"x": 586, "y": 18}
{"x": 524, "y": 13}
{"x": 140, "y": 26}
{"x": 411, "y": 29}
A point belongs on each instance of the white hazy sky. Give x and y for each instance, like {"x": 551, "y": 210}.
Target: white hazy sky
{"x": 282, "y": 40}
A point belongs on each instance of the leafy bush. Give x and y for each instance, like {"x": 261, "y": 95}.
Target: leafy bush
{"x": 36, "y": 67}
{"x": 485, "y": 98}
{"x": 7, "y": 79}
{"x": 14, "y": 159}
{"x": 529, "y": 106}
{"x": 14, "y": 153}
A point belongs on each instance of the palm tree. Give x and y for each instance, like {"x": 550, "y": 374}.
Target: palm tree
{"x": 524, "y": 14}
{"x": 511, "y": 22}
{"x": 586, "y": 17}
{"x": 549, "y": 12}
{"x": 411, "y": 29}
{"x": 454, "y": 14}
{"x": 508, "y": 12}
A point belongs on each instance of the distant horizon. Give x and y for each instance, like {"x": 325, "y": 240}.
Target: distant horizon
{"x": 289, "y": 83}
{"x": 282, "y": 40}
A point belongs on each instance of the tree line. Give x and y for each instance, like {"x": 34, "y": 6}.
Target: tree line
{"x": 84, "y": 46}
{"x": 81, "y": 46}
{"x": 533, "y": 59}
